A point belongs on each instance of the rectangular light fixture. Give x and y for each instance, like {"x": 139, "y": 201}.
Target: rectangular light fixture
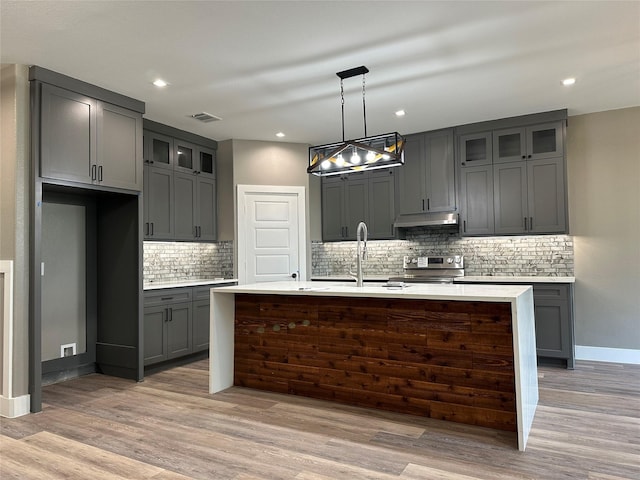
{"x": 369, "y": 153}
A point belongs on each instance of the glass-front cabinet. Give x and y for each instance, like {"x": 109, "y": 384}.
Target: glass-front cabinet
{"x": 528, "y": 143}
{"x": 475, "y": 149}
{"x": 159, "y": 150}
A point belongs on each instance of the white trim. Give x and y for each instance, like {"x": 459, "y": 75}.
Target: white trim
{"x": 242, "y": 192}
{"x": 605, "y": 354}
{"x": 6, "y": 268}
{"x": 15, "y": 407}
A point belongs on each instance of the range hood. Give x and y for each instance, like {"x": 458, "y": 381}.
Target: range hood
{"x": 426, "y": 219}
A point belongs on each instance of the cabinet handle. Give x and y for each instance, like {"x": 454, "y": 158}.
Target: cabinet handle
{"x": 525, "y": 224}
{"x": 151, "y": 234}
{"x": 100, "y": 173}
{"x": 464, "y": 226}
{"x": 346, "y": 231}
{"x": 164, "y": 299}
{"x": 523, "y": 156}
{"x": 166, "y": 317}
{"x": 171, "y": 314}
{"x": 423, "y": 204}
{"x": 428, "y": 204}
{"x": 528, "y": 156}
{"x": 531, "y": 223}
{"x": 93, "y": 172}
{"x": 146, "y": 228}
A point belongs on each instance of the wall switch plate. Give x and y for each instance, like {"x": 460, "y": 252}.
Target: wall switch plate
{"x": 68, "y": 350}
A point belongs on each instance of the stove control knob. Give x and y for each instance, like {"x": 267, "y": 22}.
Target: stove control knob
{"x": 457, "y": 259}
{"x": 414, "y": 260}
{"x": 449, "y": 260}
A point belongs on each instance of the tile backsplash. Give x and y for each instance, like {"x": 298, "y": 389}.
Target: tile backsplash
{"x": 172, "y": 261}
{"x": 535, "y": 255}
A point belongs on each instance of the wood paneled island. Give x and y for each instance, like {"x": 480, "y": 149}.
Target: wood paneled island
{"x": 463, "y": 353}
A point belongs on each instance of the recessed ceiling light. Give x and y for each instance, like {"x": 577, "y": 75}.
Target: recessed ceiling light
{"x": 400, "y": 113}
{"x": 160, "y": 83}
{"x": 568, "y": 81}
{"x": 280, "y": 134}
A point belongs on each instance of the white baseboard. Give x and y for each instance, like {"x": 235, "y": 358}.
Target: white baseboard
{"x": 604, "y": 354}
{"x": 15, "y": 407}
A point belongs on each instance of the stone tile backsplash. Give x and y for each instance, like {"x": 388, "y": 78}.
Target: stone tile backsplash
{"x": 536, "y": 255}
{"x": 173, "y": 261}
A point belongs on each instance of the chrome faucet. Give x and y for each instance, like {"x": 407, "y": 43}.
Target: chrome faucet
{"x": 362, "y": 227}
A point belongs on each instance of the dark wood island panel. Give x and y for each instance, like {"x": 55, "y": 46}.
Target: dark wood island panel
{"x": 450, "y": 360}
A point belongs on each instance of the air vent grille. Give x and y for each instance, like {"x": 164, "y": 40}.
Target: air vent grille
{"x": 205, "y": 117}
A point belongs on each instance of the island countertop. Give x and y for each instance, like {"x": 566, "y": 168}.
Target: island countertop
{"x": 466, "y": 292}
{"x": 519, "y": 298}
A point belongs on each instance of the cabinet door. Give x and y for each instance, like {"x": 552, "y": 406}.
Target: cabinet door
{"x": 185, "y": 206}
{"x": 332, "y": 209}
{"x": 185, "y": 156}
{"x": 411, "y": 181}
{"x": 475, "y": 149}
{"x": 510, "y": 197}
{"x": 440, "y": 184}
{"x": 160, "y": 150}
{"x": 476, "y": 184}
{"x": 200, "y": 325}
{"x": 67, "y": 135}
{"x": 356, "y": 206}
{"x": 553, "y": 321}
{"x": 206, "y": 162}
{"x": 509, "y": 145}
{"x": 119, "y": 147}
{"x": 207, "y": 202}
{"x": 546, "y": 191}
{"x": 179, "y": 325}
{"x": 381, "y": 204}
{"x": 545, "y": 141}
{"x": 158, "y": 200}
{"x": 155, "y": 334}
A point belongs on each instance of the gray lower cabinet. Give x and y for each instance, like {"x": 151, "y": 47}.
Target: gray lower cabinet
{"x": 88, "y": 141}
{"x": 553, "y": 304}
{"x": 167, "y": 324}
{"x": 358, "y": 197}
{"x": 176, "y": 322}
{"x": 427, "y": 179}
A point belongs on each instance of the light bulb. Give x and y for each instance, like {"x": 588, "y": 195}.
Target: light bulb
{"x": 325, "y": 164}
{"x": 370, "y": 156}
{"x": 355, "y": 158}
{"x": 339, "y": 160}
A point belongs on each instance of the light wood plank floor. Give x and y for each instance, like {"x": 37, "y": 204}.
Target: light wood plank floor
{"x": 587, "y": 426}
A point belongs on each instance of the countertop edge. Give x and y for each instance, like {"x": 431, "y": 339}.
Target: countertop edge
{"x": 187, "y": 283}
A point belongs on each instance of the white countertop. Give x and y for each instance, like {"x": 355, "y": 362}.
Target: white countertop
{"x": 346, "y": 278}
{"x": 487, "y": 293}
{"x": 514, "y": 279}
{"x": 189, "y": 283}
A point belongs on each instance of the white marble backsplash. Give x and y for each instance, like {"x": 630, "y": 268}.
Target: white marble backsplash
{"x": 177, "y": 261}
{"x": 535, "y": 255}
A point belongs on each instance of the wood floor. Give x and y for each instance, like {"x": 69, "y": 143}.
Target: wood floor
{"x": 587, "y": 426}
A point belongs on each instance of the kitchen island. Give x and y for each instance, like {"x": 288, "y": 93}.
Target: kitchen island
{"x": 463, "y": 353}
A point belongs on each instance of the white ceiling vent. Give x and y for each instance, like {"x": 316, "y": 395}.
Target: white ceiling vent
{"x": 205, "y": 117}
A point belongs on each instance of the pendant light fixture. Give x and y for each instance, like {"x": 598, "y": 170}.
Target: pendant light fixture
{"x": 366, "y": 153}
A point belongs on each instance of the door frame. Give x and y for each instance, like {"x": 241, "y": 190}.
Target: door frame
{"x": 241, "y": 234}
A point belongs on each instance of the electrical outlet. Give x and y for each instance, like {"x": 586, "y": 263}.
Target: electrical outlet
{"x": 68, "y": 350}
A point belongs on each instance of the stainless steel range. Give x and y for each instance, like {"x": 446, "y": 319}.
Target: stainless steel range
{"x": 431, "y": 269}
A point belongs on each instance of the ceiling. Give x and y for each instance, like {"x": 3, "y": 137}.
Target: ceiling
{"x": 268, "y": 66}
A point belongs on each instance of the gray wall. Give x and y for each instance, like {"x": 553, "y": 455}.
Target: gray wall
{"x": 604, "y": 214}
{"x": 14, "y": 207}
{"x": 252, "y": 162}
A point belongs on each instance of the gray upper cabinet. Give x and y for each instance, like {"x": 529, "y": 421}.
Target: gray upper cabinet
{"x": 476, "y": 200}
{"x": 528, "y": 143}
{"x": 158, "y": 203}
{"x": 181, "y": 179}
{"x": 381, "y": 204}
{"x": 427, "y": 179}
{"x": 475, "y": 149}
{"x": 529, "y": 197}
{"x": 358, "y": 197}
{"x": 89, "y": 141}
{"x": 518, "y": 181}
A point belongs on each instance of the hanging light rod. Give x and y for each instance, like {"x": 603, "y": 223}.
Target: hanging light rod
{"x": 380, "y": 151}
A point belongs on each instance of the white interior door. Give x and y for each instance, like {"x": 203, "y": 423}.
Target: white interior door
{"x": 271, "y": 233}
